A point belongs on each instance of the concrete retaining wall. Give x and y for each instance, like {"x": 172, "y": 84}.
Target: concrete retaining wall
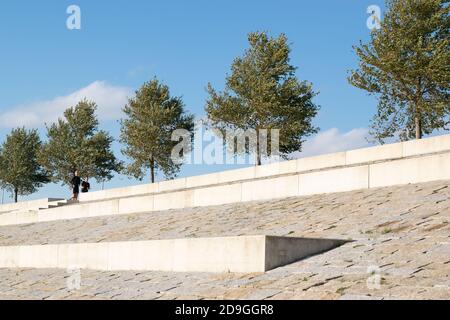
{"x": 245, "y": 254}
{"x": 13, "y": 218}
{"x": 414, "y": 170}
{"x": 388, "y": 165}
{"x": 350, "y": 158}
{"x": 403, "y": 171}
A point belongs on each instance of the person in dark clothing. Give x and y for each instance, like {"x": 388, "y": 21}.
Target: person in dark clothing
{"x": 76, "y": 181}
{"x": 85, "y": 185}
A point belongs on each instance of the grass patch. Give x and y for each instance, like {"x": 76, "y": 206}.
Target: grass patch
{"x": 341, "y": 290}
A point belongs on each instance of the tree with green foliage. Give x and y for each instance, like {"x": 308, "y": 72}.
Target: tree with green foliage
{"x": 263, "y": 93}
{"x": 76, "y": 143}
{"x": 151, "y": 117}
{"x": 406, "y": 65}
{"x": 20, "y": 171}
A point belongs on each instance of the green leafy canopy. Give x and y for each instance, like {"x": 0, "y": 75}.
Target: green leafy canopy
{"x": 76, "y": 143}
{"x": 151, "y": 117}
{"x": 20, "y": 171}
{"x": 406, "y": 65}
{"x": 263, "y": 92}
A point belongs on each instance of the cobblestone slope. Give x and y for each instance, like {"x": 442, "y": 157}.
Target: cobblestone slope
{"x": 401, "y": 245}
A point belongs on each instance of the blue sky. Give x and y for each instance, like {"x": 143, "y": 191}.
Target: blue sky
{"x": 186, "y": 44}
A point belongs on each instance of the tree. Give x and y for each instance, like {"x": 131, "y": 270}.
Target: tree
{"x": 152, "y": 115}
{"x": 263, "y": 93}
{"x": 20, "y": 172}
{"x": 75, "y": 143}
{"x": 406, "y": 65}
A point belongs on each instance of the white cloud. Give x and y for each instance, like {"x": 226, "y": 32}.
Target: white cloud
{"x": 110, "y": 100}
{"x": 333, "y": 140}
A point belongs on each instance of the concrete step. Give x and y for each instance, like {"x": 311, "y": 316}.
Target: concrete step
{"x": 244, "y": 254}
{"x": 58, "y": 203}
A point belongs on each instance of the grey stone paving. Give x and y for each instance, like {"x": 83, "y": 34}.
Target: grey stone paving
{"x": 400, "y": 249}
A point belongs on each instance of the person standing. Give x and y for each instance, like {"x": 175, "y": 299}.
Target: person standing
{"x": 76, "y": 181}
{"x": 85, "y": 185}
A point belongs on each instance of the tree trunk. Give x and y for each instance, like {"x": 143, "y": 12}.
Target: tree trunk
{"x": 418, "y": 123}
{"x": 152, "y": 170}
{"x": 418, "y": 116}
{"x": 16, "y": 195}
{"x": 258, "y": 151}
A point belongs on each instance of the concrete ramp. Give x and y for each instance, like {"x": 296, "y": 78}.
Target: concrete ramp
{"x": 246, "y": 254}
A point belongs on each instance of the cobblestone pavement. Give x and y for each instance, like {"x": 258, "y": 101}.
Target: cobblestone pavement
{"x": 400, "y": 249}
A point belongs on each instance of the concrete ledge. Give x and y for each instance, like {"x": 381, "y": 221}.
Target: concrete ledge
{"x": 425, "y": 146}
{"x": 322, "y": 161}
{"x": 340, "y": 172}
{"x": 335, "y": 180}
{"x": 213, "y": 196}
{"x": 385, "y": 152}
{"x": 85, "y": 210}
{"x": 173, "y": 200}
{"x": 414, "y": 170}
{"x": 388, "y": 152}
{"x": 13, "y": 218}
{"x": 203, "y": 180}
{"x": 246, "y": 254}
{"x": 383, "y": 174}
{"x": 27, "y": 205}
{"x": 281, "y": 187}
{"x": 230, "y": 175}
{"x": 171, "y": 185}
